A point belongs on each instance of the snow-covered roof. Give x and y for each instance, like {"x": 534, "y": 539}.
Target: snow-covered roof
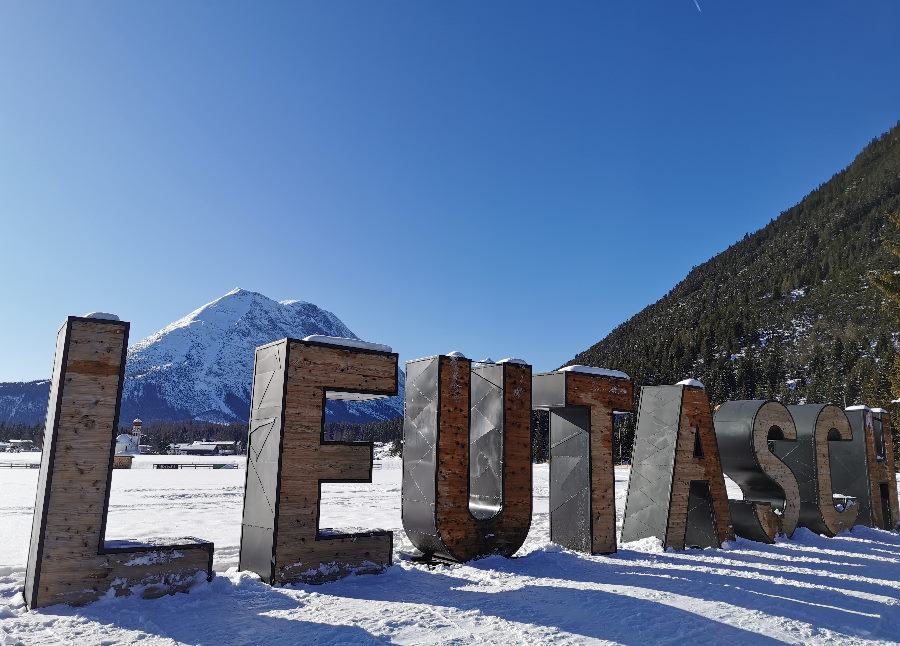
{"x": 513, "y": 360}
{"x": 591, "y": 370}
{"x": 691, "y": 382}
{"x": 101, "y": 315}
{"x": 456, "y": 354}
{"x": 858, "y": 407}
{"x": 350, "y": 343}
{"x": 879, "y": 410}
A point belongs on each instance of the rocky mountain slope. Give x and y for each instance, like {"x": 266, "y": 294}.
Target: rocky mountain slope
{"x": 200, "y": 367}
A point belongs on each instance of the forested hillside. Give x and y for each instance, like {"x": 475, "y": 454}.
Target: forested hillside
{"x": 788, "y": 312}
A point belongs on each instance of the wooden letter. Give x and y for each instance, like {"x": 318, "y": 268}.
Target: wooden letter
{"x": 288, "y": 459}
{"x": 744, "y": 430}
{"x": 69, "y": 561}
{"x": 883, "y": 473}
{"x": 676, "y": 491}
{"x": 810, "y": 460}
{"x": 466, "y": 457}
{"x": 582, "y": 479}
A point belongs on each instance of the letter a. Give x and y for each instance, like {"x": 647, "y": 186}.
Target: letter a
{"x": 676, "y": 491}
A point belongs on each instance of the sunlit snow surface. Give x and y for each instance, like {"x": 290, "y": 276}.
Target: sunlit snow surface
{"x": 809, "y": 590}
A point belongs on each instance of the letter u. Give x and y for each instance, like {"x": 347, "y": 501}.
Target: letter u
{"x": 467, "y": 457}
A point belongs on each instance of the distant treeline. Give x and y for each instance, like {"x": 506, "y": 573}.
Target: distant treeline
{"x": 160, "y": 436}
{"x": 386, "y": 430}
{"x": 392, "y": 431}
{"x": 22, "y": 432}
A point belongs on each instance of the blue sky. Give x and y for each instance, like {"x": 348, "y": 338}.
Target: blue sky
{"x": 500, "y": 178}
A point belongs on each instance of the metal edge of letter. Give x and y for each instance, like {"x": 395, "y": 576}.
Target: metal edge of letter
{"x": 257, "y": 543}
{"x": 45, "y": 477}
{"x": 571, "y": 521}
{"x": 420, "y": 442}
{"x": 647, "y": 504}
{"x": 850, "y": 464}
{"x": 486, "y": 440}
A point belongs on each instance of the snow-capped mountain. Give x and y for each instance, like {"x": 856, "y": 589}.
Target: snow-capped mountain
{"x": 24, "y": 402}
{"x": 201, "y": 366}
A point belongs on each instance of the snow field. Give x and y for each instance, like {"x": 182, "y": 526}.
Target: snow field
{"x": 808, "y": 590}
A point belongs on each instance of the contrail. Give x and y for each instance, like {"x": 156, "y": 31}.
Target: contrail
{"x": 697, "y": 4}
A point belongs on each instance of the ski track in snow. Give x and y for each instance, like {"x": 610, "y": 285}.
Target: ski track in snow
{"x": 808, "y": 590}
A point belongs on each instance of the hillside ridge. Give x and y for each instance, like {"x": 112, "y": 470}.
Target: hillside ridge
{"x": 786, "y": 312}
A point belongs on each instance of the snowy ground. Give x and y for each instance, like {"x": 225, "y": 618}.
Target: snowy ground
{"x": 809, "y": 590}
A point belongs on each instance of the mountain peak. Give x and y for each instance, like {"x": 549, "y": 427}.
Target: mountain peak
{"x": 201, "y": 366}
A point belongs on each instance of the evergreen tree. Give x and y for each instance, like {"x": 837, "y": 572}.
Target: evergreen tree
{"x": 887, "y": 281}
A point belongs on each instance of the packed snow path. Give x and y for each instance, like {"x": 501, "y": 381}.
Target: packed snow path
{"x": 809, "y": 590}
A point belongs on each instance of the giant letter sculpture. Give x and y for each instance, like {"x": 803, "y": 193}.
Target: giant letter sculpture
{"x": 882, "y": 473}
{"x": 288, "y": 459}
{"x": 810, "y": 459}
{"x": 676, "y": 491}
{"x": 69, "y": 561}
{"x": 581, "y": 401}
{"x": 467, "y": 457}
{"x": 744, "y": 430}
